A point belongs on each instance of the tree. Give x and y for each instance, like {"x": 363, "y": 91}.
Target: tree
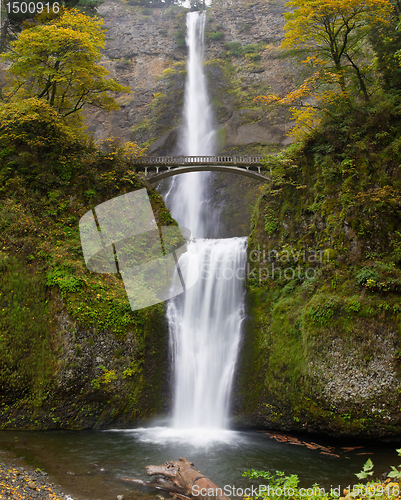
{"x": 333, "y": 38}
{"x": 386, "y": 41}
{"x": 334, "y": 33}
{"x": 58, "y": 62}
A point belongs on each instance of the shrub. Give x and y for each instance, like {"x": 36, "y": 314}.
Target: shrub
{"x": 271, "y": 222}
{"x": 234, "y": 48}
{"x": 321, "y": 313}
{"x": 384, "y": 277}
{"x": 216, "y": 35}
{"x": 65, "y": 281}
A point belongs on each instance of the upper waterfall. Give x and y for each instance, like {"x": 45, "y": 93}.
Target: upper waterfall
{"x": 197, "y": 137}
{"x": 198, "y": 133}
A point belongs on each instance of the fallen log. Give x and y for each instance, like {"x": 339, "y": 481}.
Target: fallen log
{"x": 182, "y": 480}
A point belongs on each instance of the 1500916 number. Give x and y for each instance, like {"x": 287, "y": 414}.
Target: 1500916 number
{"x": 32, "y": 7}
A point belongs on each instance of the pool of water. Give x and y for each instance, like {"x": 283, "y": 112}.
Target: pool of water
{"x": 90, "y": 464}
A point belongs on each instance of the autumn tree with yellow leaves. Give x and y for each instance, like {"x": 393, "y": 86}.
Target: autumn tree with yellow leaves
{"x": 54, "y": 73}
{"x": 59, "y": 62}
{"x": 333, "y": 37}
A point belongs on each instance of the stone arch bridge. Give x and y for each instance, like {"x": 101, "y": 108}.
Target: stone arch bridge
{"x": 157, "y": 168}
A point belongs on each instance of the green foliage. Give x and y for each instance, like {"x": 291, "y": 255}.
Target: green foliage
{"x": 254, "y": 57}
{"x": 129, "y": 372}
{"x": 380, "y": 276}
{"x": 105, "y": 379}
{"x": 366, "y": 471}
{"x": 337, "y": 193}
{"x": 386, "y": 40}
{"x": 26, "y": 348}
{"x": 234, "y": 48}
{"x": 321, "y": 313}
{"x": 354, "y": 305}
{"x": 285, "y": 486}
{"x": 365, "y": 275}
{"x": 43, "y": 225}
{"x": 45, "y": 188}
{"x": 175, "y": 11}
{"x": 270, "y": 219}
{"x": 251, "y": 52}
{"x": 215, "y": 35}
{"x": 134, "y": 370}
{"x": 254, "y": 216}
{"x": 180, "y": 39}
{"x": 282, "y": 169}
{"x": 395, "y": 473}
{"x": 64, "y": 280}
{"x": 150, "y": 4}
{"x": 88, "y": 7}
{"x": 278, "y": 485}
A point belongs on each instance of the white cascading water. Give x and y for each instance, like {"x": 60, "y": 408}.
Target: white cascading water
{"x": 204, "y": 322}
{"x": 187, "y": 194}
{"x": 205, "y": 326}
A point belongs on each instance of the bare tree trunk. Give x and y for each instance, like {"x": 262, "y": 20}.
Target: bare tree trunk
{"x": 360, "y": 79}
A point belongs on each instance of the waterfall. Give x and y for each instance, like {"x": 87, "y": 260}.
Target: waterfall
{"x": 205, "y": 326}
{"x": 205, "y": 321}
{"x": 187, "y": 196}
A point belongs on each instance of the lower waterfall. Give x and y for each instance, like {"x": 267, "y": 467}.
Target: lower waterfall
{"x": 205, "y": 326}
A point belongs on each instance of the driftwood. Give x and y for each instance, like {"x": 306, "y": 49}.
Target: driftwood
{"x": 182, "y": 480}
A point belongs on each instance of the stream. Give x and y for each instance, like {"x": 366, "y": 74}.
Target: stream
{"x": 90, "y": 464}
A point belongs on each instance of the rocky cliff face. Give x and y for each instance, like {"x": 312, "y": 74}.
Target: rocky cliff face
{"x": 241, "y": 38}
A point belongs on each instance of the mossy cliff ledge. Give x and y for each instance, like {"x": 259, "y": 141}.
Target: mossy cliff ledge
{"x": 73, "y": 355}
{"x": 321, "y": 351}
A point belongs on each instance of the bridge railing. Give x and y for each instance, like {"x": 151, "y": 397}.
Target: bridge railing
{"x": 199, "y": 160}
